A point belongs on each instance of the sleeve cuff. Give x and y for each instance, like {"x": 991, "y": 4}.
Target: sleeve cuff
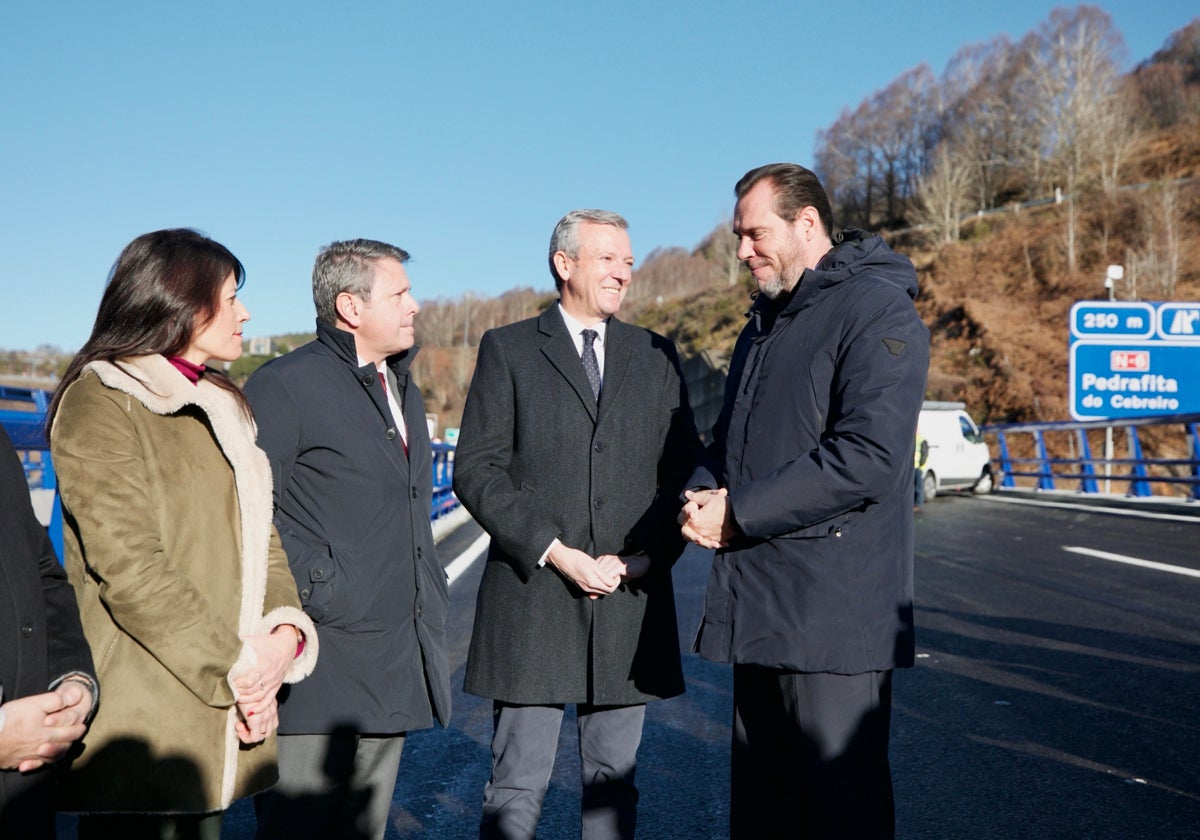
{"x": 92, "y": 684}
{"x": 546, "y": 554}
{"x": 303, "y": 664}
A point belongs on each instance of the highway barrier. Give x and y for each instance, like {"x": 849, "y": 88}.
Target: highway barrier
{"x": 24, "y": 419}
{"x": 1177, "y": 436}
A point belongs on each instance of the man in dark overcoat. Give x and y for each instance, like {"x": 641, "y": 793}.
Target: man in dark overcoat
{"x": 47, "y": 682}
{"x": 576, "y": 440}
{"x": 343, "y": 424}
{"x": 808, "y": 501}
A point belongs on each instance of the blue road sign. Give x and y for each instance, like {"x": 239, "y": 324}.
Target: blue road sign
{"x": 1134, "y": 359}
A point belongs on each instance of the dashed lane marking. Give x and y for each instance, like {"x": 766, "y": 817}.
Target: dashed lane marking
{"x": 1133, "y": 561}
{"x": 1145, "y": 514}
{"x": 463, "y": 561}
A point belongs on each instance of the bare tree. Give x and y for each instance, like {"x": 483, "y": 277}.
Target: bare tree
{"x": 720, "y": 248}
{"x": 1183, "y": 48}
{"x": 902, "y": 124}
{"x": 979, "y": 120}
{"x": 1114, "y": 130}
{"x": 1155, "y": 267}
{"x": 1072, "y": 72}
{"x": 945, "y": 194}
{"x": 671, "y": 273}
{"x": 847, "y": 168}
{"x": 1164, "y": 93}
{"x": 874, "y": 155}
{"x": 1169, "y": 83}
{"x": 435, "y": 323}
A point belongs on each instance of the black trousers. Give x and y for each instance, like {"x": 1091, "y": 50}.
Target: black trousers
{"x": 27, "y": 805}
{"x": 810, "y": 755}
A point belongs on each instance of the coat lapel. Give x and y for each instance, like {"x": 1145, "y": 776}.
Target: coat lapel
{"x": 617, "y": 356}
{"x": 559, "y": 349}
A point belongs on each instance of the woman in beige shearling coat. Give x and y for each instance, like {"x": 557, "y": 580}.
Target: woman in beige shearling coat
{"x": 183, "y": 587}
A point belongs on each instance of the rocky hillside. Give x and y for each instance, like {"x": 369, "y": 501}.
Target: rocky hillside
{"x": 997, "y": 301}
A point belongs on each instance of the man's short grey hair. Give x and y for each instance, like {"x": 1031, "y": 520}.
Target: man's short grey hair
{"x": 348, "y": 266}
{"x": 566, "y": 234}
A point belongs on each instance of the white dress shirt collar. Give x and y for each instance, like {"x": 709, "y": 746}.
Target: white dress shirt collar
{"x": 576, "y": 327}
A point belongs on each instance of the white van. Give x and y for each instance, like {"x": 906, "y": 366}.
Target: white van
{"x": 958, "y": 457}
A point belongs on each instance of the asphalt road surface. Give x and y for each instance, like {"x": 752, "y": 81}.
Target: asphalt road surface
{"x": 1056, "y": 692}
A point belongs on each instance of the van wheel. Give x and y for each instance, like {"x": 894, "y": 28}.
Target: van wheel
{"x": 986, "y": 484}
{"x": 930, "y": 483}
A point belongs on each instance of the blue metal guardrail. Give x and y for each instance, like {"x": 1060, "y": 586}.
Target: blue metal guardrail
{"x": 1086, "y": 469}
{"x": 26, "y": 427}
{"x": 444, "y": 499}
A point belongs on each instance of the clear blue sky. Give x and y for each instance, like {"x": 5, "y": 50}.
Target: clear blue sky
{"x": 459, "y": 131}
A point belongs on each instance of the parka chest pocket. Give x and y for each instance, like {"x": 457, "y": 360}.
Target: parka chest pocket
{"x": 317, "y": 592}
{"x": 830, "y": 529}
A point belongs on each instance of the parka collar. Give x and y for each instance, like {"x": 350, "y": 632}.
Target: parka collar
{"x": 853, "y": 251}
{"x": 342, "y": 345}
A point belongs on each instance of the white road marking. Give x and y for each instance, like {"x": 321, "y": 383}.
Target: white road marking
{"x": 1145, "y": 514}
{"x": 1132, "y": 561}
{"x": 463, "y": 561}
{"x": 446, "y": 523}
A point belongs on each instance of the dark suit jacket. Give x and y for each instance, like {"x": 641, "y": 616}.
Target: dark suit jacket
{"x": 41, "y": 639}
{"x": 353, "y": 513}
{"x": 539, "y": 459}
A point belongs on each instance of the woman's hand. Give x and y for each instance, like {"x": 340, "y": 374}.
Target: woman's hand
{"x": 274, "y": 653}
{"x": 255, "y": 722}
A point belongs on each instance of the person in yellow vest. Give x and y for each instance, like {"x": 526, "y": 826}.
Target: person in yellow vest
{"x": 920, "y": 458}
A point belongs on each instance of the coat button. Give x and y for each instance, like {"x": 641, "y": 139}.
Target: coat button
{"x": 26, "y": 630}
{"x": 414, "y": 492}
{"x": 837, "y": 532}
{"x": 390, "y": 434}
{"x": 419, "y": 552}
{"x": 305, "y": 593}
{"x": 318, "y": 574}
{"x": 418, "y": 610}
{"x": 599, "y": 503}
{"x": 600, "y": 446}
{"x": 368, "y": 380}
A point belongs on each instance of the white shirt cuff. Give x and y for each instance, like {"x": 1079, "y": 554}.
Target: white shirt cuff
{"x": 546, "y": 554}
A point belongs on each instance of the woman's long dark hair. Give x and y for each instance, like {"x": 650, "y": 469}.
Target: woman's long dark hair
{"x": 163, "y": 288}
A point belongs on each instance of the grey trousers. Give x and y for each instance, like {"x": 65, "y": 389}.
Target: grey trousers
{"x": 331, "y": 785}
{"x": 524, "y": 743}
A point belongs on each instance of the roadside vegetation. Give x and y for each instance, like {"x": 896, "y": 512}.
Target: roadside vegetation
{"x": 1012, "y": 180}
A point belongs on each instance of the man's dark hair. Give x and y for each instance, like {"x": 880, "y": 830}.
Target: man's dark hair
{"x": 795, "y": 189}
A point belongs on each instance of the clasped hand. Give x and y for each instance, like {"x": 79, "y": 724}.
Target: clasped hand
{"x": 596, "y": 576}
{"x": 40, "y": 728}
{"x": 706, "y": 519}
{"x": 257, "y": 687}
